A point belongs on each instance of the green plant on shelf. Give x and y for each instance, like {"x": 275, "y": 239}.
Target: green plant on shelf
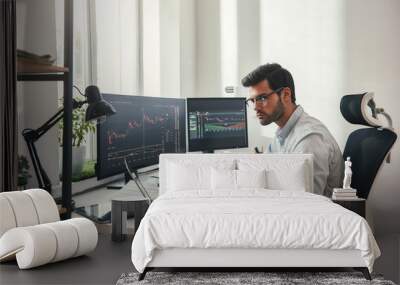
{"x": 79, "y": 127}
{"x": 88, "y": 171}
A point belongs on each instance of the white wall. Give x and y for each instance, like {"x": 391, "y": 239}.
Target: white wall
{"x": 228, "y": 26}
{"x": 188, "y": 47}
{"x": 208, "y": 56}
{"x": 249, "y": 57}
{"x": 335, "y": 48}
{"x": 117, "y": 47}
{"x": 170, "y": 48}
{"x": 151, "y": 47}
{"x": 373, "y": 64}
{"x": 306, "y": 37}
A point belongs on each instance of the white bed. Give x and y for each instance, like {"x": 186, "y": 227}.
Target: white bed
{"x": 198, "y": 223}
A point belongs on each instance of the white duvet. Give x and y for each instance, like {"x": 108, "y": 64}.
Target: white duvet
{"x": 252, "y": 218}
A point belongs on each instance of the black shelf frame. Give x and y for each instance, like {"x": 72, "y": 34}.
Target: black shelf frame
{"x": 67, "y": 78}
{"x": 41, "y": 76}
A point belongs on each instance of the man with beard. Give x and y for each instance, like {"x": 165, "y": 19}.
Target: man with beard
{"x": 272, "y": 95}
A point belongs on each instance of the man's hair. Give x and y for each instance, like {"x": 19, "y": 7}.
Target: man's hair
{"x": 276, "y": 76}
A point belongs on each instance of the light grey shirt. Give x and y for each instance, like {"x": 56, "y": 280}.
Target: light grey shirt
{"x": 305, "y": 134}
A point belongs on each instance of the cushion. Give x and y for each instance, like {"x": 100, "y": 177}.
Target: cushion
{"x": 283, "y": 174}
{"x": 223, "y": 179}
{"x": 226, "y": 179}
{"x": 292, "y": 179}
{"x": 251, "y": 178}
{"x": 185, "y": 175}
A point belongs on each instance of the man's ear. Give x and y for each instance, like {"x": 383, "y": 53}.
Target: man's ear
{"x": 287, "y": 95}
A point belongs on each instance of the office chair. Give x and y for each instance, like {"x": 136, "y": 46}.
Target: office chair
{"x": 367, "y": 147}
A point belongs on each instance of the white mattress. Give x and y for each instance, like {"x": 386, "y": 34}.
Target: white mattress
{"x": 251, "y": 219}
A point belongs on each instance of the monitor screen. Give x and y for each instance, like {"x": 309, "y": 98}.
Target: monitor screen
{"x": 141, "y": 129}
{"x": 216, "y": 123}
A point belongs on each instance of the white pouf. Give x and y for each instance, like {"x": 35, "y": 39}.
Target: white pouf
{"x": 31, "y": 232}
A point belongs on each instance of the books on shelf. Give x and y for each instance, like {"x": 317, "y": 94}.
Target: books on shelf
{"x": 344, "y": 194}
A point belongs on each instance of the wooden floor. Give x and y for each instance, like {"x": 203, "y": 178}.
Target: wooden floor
{"x": 102, "y": 266}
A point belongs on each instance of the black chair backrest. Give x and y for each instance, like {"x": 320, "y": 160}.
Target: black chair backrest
{"x": 367, "y": 147}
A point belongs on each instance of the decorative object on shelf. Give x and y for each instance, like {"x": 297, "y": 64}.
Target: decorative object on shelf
{"x": 345, "y": 193}
{"x": 28, "y": 63}
{"x": 347, "y": 174}
{"x": 34, "y": 58}
{"x": 23, "y": 172}
{"x": 98, "y": 109}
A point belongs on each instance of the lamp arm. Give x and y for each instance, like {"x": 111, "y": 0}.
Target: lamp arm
{"x": 55, "y": 118}
{"x": 41, "y": 175}
{"x": 31, "y": 136}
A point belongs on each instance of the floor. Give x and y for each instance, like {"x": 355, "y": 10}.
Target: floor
{"x": 103, "y": 266}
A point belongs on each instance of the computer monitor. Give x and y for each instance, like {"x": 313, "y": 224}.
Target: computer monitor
{"x": 216, "y": 123}
{"x": 142, "y": 128}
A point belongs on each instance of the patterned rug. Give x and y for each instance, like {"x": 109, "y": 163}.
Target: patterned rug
{"x": 243, "y": 278}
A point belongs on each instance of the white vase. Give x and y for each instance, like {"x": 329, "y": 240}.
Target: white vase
{"x": 78, "y": 159}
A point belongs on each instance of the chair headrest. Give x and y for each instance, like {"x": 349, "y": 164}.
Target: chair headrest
{"x": 360, "y": 109}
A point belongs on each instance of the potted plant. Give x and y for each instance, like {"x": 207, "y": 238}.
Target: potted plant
{"x": 23, "y": 172}
{"x": 80, "y": 128}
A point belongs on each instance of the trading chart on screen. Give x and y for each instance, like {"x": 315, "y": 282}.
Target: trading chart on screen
{"x": 142, "y": 128}
{"x": 216, "y": 124}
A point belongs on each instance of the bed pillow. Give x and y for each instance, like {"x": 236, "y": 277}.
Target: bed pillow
{"x": 226, "y": 179}
{"x": 251, "y": 178}
{"x": 183, "y": 178}
{"x": 188, "y": 176}
{"x": 281, "y": 174}
{"x": 293, "y": 178}
{"x": 223, "y": 179}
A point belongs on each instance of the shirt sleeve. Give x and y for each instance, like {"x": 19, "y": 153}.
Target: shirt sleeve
{"x": 313, "y": 143}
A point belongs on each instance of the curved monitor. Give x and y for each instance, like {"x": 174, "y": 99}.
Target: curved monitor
{"x": 216, "y": 123}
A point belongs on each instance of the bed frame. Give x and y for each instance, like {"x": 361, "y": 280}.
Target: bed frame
{"x": 242, "y": 259}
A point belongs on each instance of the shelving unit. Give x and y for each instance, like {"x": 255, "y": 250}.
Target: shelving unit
{"x": 38, "y": 72}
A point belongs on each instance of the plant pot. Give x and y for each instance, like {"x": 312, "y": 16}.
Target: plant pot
{"x": 78, "y": 159}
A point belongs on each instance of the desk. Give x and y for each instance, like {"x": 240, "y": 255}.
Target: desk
{"x": 119, "y": 215}
{"x": 96, "y": 204}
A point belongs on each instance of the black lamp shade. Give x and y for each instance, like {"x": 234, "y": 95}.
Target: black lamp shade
{"x": 97, "y": 108}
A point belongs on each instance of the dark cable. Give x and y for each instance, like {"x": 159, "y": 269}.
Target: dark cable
{"x": 79, "y": 90}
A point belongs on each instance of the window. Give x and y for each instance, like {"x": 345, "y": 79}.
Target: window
{"x": 106, "y": 49}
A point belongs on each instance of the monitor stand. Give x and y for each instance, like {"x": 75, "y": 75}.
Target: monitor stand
{"x": 208, "y": 151}
{"x": 134, "y": 176}
{"x": 127, "y": 177}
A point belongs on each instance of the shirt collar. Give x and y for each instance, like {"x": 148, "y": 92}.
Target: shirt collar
{"x": 282, "y": 133}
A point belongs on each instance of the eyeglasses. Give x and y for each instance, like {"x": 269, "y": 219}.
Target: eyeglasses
{"x": 262, "y": 98}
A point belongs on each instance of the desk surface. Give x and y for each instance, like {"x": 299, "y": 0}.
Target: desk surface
{"x": 96, "y": 204}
